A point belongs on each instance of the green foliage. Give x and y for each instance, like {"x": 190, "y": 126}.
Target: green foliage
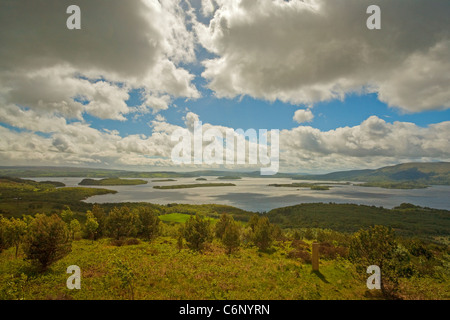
{"x": 26, "y": 197}
{"x": 4, "y": 243}
{"x": 149, "y": 223}
{"x": 90, "y": 226}
{"x": 406, "y": 220}
{"x": 15, "y": 287}
{"x": 373, "y": 246}
{"x": 197, "y": 232}
{"x": 378, "y": 246}
{"x": 100, "y": 217}
{"x": 254, "y": 219}
{"x": 263, "y": 234}
{"x": 15, "y": 232}
{"x": 224, "y": 221}
{"x": 67, "y": 215}
{"x": 124, "y": 273}
{"x": 75, "y": 229}
{"x": 231, "y": 237}
{"x": 122, "y": 223}
{"x": 47, "y": 240}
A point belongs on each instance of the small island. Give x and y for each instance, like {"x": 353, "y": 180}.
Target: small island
{"x": 198, "y": 185}
{"x": 229, "y": 178}
{"x": 164, "y": 180}
{"x": 112, "y": 182}
{"x": 394, "y": 185}
{"x": 312, "y": 186}
{"x": 201, "y": 179}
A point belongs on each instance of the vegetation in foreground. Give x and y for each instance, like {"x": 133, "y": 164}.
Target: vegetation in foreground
{"x": 130, "y": 254}
{"x": 148, "y": 251}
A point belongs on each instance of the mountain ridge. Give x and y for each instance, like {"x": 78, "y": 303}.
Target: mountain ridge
{"x": 437, "y": 173}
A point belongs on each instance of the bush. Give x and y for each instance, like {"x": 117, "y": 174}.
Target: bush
{"x": 302, "y": 254}
{"x": 197, "y": 232}
{"x": 4, "y": 243}
{"x": 100, "y": 217}
{"x": 263, "y": 235}
{"x": 149, "y": 223}
{"x": 232, "y": 237}
{"x": 124, "y": 242}
{"x": 122, "y": 223}
{"x": 224, "y": 221}
{"x": 329, "y": 251}
{"x": 91, "y": 226}
{"x": 378, "y": 246}
{"x": 47, "y": 241}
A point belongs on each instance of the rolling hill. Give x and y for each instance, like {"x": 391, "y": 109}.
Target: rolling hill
{"x": 437, "y": 173}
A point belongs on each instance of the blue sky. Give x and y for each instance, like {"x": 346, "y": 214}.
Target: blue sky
{"x": 246, "y": 112}
{"x": 112, "y": 93}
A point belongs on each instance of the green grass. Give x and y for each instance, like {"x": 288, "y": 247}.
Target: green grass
{"x": 174, "y": 217}
{"x": 182, "y": 218}
{"x": 197, "y": 185}
{"x": 164, "y": 180}
{"x": 163, "y": 273}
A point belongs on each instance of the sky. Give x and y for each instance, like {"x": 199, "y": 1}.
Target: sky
{"x": 111, "y": 94}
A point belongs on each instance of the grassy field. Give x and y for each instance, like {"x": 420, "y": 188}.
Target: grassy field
{"x": 174, "y": 217}
{"x": 162, "y": 272}
{"x": 159, "y": 271}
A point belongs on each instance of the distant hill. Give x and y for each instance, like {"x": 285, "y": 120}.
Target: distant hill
{"x": 427, "y": 173}
{"x": 436, "y": 173}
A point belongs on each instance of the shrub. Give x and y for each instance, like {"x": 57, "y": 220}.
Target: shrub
{"x": 15, "y": 232}
{"x": 263, "y": 236}
{"x": 4, "y": 243}
{"x": 329, "y": 251}
{"x": 378, "y": 246}
{"x": 196, "y": 232}
{"x": 47, "y": 240}
{"x": 224, "y": 221}
{"x": 100, "y": 216}
{"x": 91, "y": 226}
{"x": 232, "y": 237}
{"x": 302, "y": 254}
{"x": 149, "y": 223}
{"x": 122, "y": 223}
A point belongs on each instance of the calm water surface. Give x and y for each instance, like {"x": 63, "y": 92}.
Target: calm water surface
{"x": 254, "y": 194}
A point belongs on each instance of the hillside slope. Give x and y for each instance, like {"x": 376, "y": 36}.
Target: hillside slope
{"x": 437, "y": 173}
